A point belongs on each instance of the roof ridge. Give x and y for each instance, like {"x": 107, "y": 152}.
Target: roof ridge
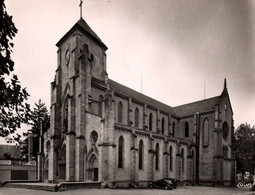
{"x": 182, "y": 110}
{"x": 197, "y": 101}
{"x": 146, "y": 96}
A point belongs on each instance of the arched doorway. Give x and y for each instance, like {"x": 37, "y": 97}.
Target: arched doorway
{"x": 93, "y": 168}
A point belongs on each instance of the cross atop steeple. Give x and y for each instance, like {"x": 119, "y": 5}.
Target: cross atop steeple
{"x": 81, "y": 1}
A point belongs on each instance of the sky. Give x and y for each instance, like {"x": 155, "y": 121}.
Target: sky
{"x": 175, "y": 51}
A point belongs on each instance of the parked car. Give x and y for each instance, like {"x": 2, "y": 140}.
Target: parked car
{"x": 174, "y": 182}
{"x": 167, "y": 184}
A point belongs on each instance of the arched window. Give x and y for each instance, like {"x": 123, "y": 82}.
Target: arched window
{"x": 225, "y": 130}
{"x": 173, "y": 129}
{"x": 182, "y": 155}
{"x": 157, "y": 157}
{"x": 47, "y": 148}
{"x": 141, "y": 154}
{"x": 120, "y": 111}
{"x": 93, "y": 137}
{"x": 163, "y": 125}
{"x": 171, "y": 158}
{"x": 100, "y": 105}
{"x": 136, "y": 117}
{"x": 206, "y": 132}
{"x": 150, "y": 121}
{"x": 186, "y": 134}
{"x": 65, "y": 121}
{"x": 121, "y": 152}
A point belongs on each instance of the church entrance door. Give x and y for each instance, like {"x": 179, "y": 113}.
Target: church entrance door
{"x": 95, "y": 174}
{"x": 93, "y": 168}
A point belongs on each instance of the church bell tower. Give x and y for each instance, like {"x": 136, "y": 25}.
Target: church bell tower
{"x": 81, "y": 56}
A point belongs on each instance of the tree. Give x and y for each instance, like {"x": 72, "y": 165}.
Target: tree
{"x": 38, "y": 115}
{"x": 244, "y": 148}
{"x": 39, "y": 119}
{"x": 13, "y": 107}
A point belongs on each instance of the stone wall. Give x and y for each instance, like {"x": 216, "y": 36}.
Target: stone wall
{"x": 7, "y": 172}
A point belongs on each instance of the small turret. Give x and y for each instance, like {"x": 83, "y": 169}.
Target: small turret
{"x": 225, "y": 85}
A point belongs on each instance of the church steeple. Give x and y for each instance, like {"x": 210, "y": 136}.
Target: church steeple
{"x": 85, "y": 28}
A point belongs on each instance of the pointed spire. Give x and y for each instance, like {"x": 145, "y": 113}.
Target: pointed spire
{"x": 81, "y": 1}
{"x": 225, "y": 85}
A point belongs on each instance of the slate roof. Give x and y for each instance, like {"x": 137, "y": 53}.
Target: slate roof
{"x": 199, "y": 106}
{"x": 180, "y": 111}
{"x": 82, "y": 25}
{"x": 12, "y": 151}
{"x": 140, "y": 97}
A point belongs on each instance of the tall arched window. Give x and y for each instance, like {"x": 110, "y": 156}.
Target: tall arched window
{"x": 206, "y": 132}
{"x": 136, "y": 117}
{"x": 120, "y": 112}
{"x": 141, "y": 153}
{"x": 182, "y": 155}
{"x": 171, "y": 158}
{"x": 47, "y": 148}
{"x": 150, "y": 121}
{"x": 225, "y": 130}
{"x": 173, "y": 129}
{"x": 157, "y": 157}
{"x": 163, "y": 125}
{"x": 100, "y": 105}
{"x": 121, "y": 153}
{"x": 65, "y": 121}
{"x": 186, "y": 129}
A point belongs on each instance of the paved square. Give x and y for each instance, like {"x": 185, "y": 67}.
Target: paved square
{"x": 183, "y": 190}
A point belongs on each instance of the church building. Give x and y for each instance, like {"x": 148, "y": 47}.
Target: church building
{"x": 103, "y": 131}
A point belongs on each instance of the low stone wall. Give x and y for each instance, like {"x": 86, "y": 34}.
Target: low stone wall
{"x": 17, "y": 172}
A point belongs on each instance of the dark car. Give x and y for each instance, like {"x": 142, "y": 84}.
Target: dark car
{"x": 163, "y": 184}
{"x": 174, "y": 182}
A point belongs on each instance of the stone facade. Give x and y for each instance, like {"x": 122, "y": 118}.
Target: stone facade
{"x": 103, "y": 131}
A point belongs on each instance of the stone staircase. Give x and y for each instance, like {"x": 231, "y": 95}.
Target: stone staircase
{"x": 34, "y": 186}
{"x": 78, "y": 185}
{"x": 63, "y": 186}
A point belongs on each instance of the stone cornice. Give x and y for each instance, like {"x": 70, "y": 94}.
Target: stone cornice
{"x": 98, "y": 86}
{"x": 105, "y": 144}
{"x": 123, "y": 128}
{"x": 137, "y": 102}
{"x": 121, "y": 95}
{"x": 80, "y": 137}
